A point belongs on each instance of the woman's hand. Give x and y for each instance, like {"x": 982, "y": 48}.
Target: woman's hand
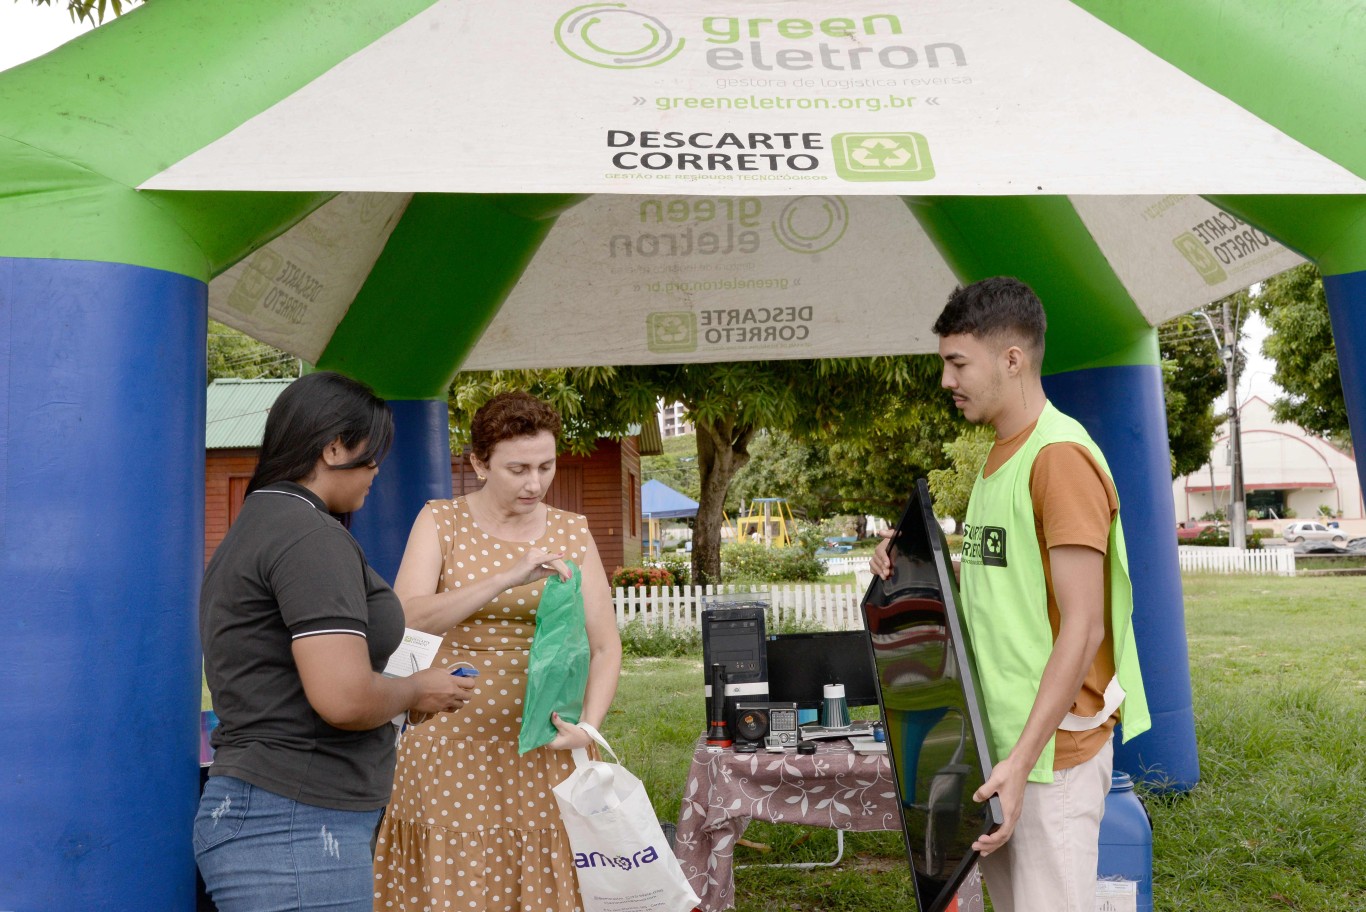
{"x": 537, "y": 565}
{"x": 570, "y": 736}
{"x": 440, "y": 691}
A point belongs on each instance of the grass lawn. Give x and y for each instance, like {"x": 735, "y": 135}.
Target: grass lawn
{"x": 1278, "y": 668}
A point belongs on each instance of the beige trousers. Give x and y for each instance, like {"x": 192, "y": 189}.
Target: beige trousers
{"x": 1049, "y": 864}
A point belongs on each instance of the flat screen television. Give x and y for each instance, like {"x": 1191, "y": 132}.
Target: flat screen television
{"x": 936, "y": 730}
{"x": 801, "y": 664}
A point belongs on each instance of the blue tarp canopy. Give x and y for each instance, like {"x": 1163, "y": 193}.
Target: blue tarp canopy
{"x": 659, "y": 501}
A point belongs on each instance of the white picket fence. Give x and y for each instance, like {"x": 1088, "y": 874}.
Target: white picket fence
{"x": 1268, "y": 561}
{"x": 837, "y": 607}
{"x": 837, "y": 565}
{"x": 832, "y": 607}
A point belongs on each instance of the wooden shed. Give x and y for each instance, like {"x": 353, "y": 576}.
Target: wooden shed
{"x": 604, "y": 487}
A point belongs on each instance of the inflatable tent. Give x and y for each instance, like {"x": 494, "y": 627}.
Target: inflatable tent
{"x": 396, "y": 189}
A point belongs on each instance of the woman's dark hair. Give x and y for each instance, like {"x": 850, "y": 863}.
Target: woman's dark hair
{"x": 509, "y": 415}
{"x": 997, "y": 308}
{"x": 312, "y": 412}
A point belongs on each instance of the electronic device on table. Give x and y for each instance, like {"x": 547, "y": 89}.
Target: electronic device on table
{"x": 801, "y": 664}
{"x": 936, "y": 729}
{"x": 733, "y": 637}
{"x": 773, "y": 724}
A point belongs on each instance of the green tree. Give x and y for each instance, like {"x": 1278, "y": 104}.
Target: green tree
{"x": 89, "y": 10}
{"x": 728, "y": 404}
{"x": 799, "y": 471}
{"x": 1301, "y": 343}
{"x": 870, "y": 471}
{"x": 1193, "y": 376}
{"x": 951, "y": 487}
{"x": 676, "y": 466}
{"x": 236, "y": 354}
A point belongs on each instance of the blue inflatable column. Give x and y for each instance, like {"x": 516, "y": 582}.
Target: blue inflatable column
{"x": 418, "y": 469}
{"x": 1122, "y": 408}
{"x": 101, "y": 555}
{"x": 1347, "y": 309}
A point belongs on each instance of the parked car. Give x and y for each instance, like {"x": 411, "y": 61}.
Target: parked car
{"x": 1185, "y": 531}
{"x": 1312, "y": 531}
{"x": 1208, "y": 533}
{"x": 1319, "y": 547}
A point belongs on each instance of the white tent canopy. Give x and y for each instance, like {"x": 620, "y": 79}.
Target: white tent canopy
{"x": 650, "y": 279}
{"x": 790, "y": 98}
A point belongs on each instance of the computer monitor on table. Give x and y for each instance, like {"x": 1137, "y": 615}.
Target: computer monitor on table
{"x": 801, "y": 664}
{"x": 936, "y": 730}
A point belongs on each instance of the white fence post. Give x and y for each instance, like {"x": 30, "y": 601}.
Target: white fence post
{"x": 837, "y": 565}
{"x": 1198, "y": 559}
{"x": 821, "y": 604}
{"x": 834, "y": 607}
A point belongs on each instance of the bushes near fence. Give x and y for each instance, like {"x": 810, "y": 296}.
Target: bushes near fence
{"x": 1217, "y": 537}
{"x": 647, "y": 639}
{"x": 642, "y": 577}
{"x": 680, "y": 565}
{"x": 751, "y": 562}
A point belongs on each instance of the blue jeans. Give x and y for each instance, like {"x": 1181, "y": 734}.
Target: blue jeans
{"x": 260, "y": 852}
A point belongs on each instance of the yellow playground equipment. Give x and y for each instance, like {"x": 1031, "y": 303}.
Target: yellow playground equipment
{"x": 767, "y": 520}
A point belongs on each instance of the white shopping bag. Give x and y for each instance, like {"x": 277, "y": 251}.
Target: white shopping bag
{"x": 623, "y": 861}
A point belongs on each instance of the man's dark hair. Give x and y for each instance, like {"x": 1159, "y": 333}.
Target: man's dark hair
{"x": 998, "y": 308}
{"x": 312, "y": 412}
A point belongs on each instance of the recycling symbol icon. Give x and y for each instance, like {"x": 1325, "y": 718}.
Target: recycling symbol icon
{"x": 994, "y": 546}
{"x": 671, "y": 331}
{"x": 879, "y": 152}
{"x": 671, "y": 328}
{"x": 882, "y": 157}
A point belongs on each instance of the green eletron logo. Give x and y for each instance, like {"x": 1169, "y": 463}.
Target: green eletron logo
{"x": 882, "y": 157}
{"x": 810, "y": 224}
{"x": 613, "y": 36}
{"x": 255, "y": 281}
{"x": 1189, "y": 246}
{"x": 671, "y": 331}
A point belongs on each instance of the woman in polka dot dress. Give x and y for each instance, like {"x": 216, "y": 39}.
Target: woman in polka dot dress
{"x": 471, "y": 824}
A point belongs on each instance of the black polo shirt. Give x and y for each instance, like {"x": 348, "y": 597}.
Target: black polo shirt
{"x": 287, "y": 569}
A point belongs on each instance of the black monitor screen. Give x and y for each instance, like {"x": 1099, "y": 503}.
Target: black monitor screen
{"x": 936, "y": 733}
{"x": 801, "y": 664}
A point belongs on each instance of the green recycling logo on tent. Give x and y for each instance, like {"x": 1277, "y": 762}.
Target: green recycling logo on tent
{"x": 609, "y": 35}
{"x": 1204, "y": 262}
{"x": 671, "y": 331}
{"x": 882, "y": 157}
{"x": 810, "y": 224}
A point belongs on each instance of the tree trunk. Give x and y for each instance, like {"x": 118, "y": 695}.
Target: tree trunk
{"x": 861, "y": 526}
{"x": 722, "y": 450}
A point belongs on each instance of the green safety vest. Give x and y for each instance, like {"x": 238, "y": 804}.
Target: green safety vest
{"x": 1005, "y": 605}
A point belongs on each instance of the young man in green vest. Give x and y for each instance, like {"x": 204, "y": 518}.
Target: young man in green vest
{"x": 1046, "y": 601}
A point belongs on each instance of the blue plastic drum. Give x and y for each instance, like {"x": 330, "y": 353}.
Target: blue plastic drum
{"x": 1126, "y": 839}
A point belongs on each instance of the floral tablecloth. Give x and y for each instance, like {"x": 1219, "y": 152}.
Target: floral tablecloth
{"x": 834, "y": 788}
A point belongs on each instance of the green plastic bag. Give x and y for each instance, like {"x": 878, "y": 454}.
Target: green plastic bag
{"x": 557, "y": 672}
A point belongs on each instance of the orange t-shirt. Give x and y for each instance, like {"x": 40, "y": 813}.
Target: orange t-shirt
{"x": 1074, "y": 503}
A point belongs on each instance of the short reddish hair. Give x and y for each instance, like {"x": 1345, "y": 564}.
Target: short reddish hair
{"x": 509, "y": 415}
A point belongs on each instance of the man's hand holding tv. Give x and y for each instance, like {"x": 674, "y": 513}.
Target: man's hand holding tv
{"x": 1007, "y": 781}
{"x": 881, "y": 561}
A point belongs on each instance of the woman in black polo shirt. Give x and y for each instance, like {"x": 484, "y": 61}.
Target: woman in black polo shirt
{"x": 296, "y": 627}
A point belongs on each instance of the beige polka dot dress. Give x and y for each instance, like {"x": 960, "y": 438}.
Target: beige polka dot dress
{"x": 472, "y": 825}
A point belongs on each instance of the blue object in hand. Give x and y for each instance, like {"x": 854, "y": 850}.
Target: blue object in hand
{"x": 463, "y": 672}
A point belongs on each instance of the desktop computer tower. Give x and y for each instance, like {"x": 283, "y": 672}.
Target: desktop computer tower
{"x": 733, "y": 635}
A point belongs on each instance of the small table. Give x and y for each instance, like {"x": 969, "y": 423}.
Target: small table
{"x": 834, "y": 788}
